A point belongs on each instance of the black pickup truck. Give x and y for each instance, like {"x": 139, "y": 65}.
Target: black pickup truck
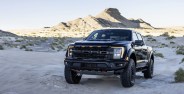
{"x": 109, "y": 52}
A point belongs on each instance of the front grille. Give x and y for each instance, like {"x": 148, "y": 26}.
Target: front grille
{"x": 92, "y": 53}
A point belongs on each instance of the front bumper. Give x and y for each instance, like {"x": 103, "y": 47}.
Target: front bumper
{"x": 96, "y": 65}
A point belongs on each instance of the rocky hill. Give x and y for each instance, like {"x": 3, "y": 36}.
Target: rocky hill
{"x": 4, "y": 33}
{"x": 110, "y": 17}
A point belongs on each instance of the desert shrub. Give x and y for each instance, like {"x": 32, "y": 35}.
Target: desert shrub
{"x": 44, "y": 39}
{"x": 23, "y": 47}
{"x": 59, "y": 47}
{"x": 65, "y": 49}
{"x": 1, "y": 47}
{"x": 172, "y": 42}
{"x": 30, "y": 44}
{"x": 27, "y": 49}
{"x": 164, "y": 45}
{"x": 172, "y": 32}
{"x": 182, "y": 60}
{"x": 179, "y": 75}
{"x": 153, "y": 40}
{"x": 52, "y": 47}
{"x": 170, "y": 37}
{"x": 18, "y": 40}
{"x": 70, "y": 41}
{"x": 166, "y": 34}
{"x": 54, "y": 43}
{"x": 148, "y": 36}
{"x": 180, "y": 50}
{"x": 159, "y": 55}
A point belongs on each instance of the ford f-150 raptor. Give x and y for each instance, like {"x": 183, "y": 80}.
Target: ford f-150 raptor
{"x": 109, "y": 52}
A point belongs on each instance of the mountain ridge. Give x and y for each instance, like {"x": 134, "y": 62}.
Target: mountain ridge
{"x": 110, "y": 17}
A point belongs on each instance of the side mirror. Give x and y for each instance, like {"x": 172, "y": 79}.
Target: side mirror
{"x": 139, "y": 42}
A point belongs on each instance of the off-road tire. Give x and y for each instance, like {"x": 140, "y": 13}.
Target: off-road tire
{"x": 148, "y": 73}
{"x": 127, "y": 76}
{"x": 71, "y": 76}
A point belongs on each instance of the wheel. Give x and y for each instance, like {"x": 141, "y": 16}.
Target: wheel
{"x": 127, "y": 77}
{"x": 71, "y": 76}
{"x": 149, "y": 71}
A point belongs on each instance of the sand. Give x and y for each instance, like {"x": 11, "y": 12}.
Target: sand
{"x": 24, "y": 72}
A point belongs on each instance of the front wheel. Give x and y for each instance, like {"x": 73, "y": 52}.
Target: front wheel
{"x": 149, "y": 71}
{"x": 71, "y": 76}
{"x": 128, "y": 75}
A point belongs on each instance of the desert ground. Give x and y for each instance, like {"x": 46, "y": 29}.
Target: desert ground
{"x": 35, "y": 66}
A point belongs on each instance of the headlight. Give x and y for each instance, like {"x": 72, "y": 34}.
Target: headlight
{"x": 118, "y": 52}
{"x": 70, "y": 49}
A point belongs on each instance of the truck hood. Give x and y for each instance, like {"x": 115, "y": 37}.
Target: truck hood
{"x": 101, "y": 43}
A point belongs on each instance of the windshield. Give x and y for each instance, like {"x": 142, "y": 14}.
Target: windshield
{"x": 110, "y": 35}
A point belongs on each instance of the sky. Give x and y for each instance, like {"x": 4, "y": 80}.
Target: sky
{"x": 18, "y": 14}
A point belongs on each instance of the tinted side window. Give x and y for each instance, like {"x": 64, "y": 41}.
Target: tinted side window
{"x": 134, "y": 37}
{"x": 139, "y": 36}
{"x": 95, "y": 36}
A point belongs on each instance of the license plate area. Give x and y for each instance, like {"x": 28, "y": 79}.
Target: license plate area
{"x": 89, "y": 65}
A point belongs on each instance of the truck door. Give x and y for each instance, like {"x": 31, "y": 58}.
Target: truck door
{"x": 138, "y": 51}
{"x": 144, "y": 51}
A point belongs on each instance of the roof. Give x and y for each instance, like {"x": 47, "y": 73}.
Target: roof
{"x": 109, "y": 28}
{"x": 116, "y": 29}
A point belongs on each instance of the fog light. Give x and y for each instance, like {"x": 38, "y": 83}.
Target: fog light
{"x": 127, "y": 58}
{"x": 65, "y": 63}
{"x": 119, "y": 65}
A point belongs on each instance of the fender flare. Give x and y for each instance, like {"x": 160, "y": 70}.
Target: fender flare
{"x": 66, "y": 53}
{"x": 130, "y": 52}
{"x": 151, "y": 54}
